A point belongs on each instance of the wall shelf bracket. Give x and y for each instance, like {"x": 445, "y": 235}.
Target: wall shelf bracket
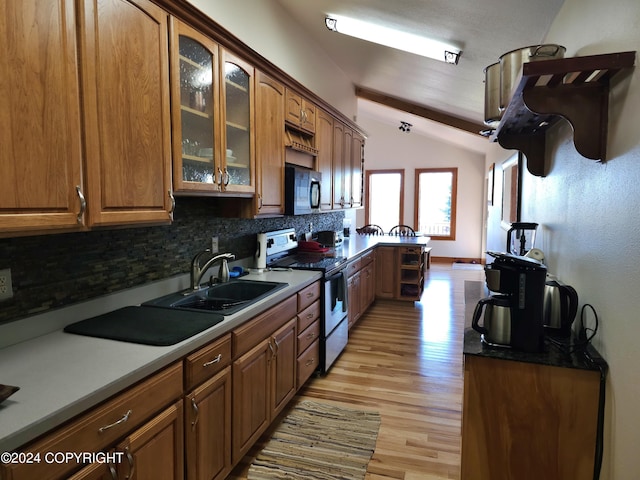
{"x": 576, "y": 89}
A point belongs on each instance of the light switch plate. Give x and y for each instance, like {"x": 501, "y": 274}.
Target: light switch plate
{"x": 6, "y": 287}
{"x": 214, "y": 245}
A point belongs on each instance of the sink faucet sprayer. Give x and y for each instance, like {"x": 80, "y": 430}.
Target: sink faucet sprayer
{"x": 198, "y": 271}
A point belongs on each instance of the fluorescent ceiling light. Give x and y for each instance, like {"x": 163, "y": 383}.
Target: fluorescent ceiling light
{"x": 394, "y": 38}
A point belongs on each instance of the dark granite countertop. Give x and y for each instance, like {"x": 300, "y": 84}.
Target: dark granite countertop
{"x": 566, "y": 355}
{"x": 559, "y": 354}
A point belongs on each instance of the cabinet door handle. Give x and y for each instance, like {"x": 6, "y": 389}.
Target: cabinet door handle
{"x": 83, "y": 204}
{"x": 215, "y": 360}
{"x": 227, "y": 177}
{"x": 273, "y": 352}
{"x": 113, "y": 472}
{"x": 221, "y": 176}
{"x": 124, "y": 418}
{"x": 173, "y": 203}
{"x": 196, "y": 412}
{"x": 132, "y": 467}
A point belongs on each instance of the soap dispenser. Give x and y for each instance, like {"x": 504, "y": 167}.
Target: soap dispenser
{"x": 223, "y": 273}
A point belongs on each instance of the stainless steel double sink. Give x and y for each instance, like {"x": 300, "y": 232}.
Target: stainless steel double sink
{"x": 223, "y": 298}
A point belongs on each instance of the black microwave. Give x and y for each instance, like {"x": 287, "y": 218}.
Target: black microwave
{"x": 301, "y": 190}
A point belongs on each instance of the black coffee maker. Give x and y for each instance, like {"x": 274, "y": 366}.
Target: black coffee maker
{"x": 521, "y": 281}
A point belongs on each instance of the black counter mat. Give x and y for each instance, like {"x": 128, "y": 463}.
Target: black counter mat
{"x": 146, "y": 325}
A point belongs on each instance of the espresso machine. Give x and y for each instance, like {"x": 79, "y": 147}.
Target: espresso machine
{"x": 515, "y": 316}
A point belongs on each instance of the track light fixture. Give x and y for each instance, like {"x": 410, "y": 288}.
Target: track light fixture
{"x": 405, "y": 127}
{"x": 388, "y": 37}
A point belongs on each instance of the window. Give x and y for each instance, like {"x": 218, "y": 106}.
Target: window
{"x": 436, "y": 191}
{"x": 385, "y": 196}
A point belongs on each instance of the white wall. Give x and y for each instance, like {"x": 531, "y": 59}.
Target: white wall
{"x": 389, "y": 148}
{"x": 590, "y": 223}
{"x": 268, "y": 29}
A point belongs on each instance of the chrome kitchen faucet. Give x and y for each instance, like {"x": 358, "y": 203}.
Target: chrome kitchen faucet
{"x": 198, "y": 271}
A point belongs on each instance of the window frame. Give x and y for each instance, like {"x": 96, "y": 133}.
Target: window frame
{"x": 367, "y": 192}
{"x": 454, "y": 199}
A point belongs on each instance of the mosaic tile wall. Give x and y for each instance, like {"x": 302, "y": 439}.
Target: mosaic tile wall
{"x": 53, "y": 271}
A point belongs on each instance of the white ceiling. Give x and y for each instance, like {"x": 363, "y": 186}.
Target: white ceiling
{"x": 485, "y": 29}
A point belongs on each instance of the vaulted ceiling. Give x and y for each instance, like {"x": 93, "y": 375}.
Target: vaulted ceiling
{"x": 426, "y": 88}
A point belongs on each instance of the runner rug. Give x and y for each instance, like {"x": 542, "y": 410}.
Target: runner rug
{"x": 317, "y": 441}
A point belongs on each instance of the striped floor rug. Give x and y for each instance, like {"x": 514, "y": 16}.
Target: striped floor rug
{"x": 317, "y": 441}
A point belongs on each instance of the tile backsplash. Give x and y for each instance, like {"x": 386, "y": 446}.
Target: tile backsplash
{"x": 52, "y": 271}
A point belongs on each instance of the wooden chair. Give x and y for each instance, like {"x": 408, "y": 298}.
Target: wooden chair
{"x": 370, "y": 229}
{"x": 402, "y": 231}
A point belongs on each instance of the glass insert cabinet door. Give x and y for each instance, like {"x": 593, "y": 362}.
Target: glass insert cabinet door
{"x": 237, "y": 110}
{"x": 195, "y": 111}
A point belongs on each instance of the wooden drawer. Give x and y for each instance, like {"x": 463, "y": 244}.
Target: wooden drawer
{"x": 353, "y": 267}
{"x": 207, "y": 361}
{"x": 308, "y": 336}
{"x": 308, "y": 295}
{"x": 308, "y": 315}
{"x": 308, "y": 362}
{"x": 366, "y": 259}
{"x": 100, "y": 427}
{"x": 247, "y": 336}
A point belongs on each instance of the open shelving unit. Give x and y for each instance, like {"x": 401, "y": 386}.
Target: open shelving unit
{"x": 576, "y": 89}
{"x": 410, "y": 261}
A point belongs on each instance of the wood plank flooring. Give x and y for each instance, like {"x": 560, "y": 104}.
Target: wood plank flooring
{"x": 404, "y": 360}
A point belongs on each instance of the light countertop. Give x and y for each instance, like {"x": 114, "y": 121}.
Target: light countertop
{"x": 61, "y": 375}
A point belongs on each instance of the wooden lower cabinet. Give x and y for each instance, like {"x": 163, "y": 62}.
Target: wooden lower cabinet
{"x": 386, "y": 273}
{"x": 208, "y": 428}
{"x": 96, "y": 471}
{"x": 156, "y": 450}
{"x": 264, "y": 378}
{"x": 528, "y": 421}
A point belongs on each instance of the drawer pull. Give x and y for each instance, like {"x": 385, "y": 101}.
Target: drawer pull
{"x": 310, "y": 362}
{"x": 311, "y": 335}
{"x": 310, "y": 315}
{"x": 124, "y": 418}
{"x": 310, "y": 294}
{"x": 215, "y": 360}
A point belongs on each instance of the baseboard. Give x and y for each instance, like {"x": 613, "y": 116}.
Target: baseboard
{"x": 450, "y": 260}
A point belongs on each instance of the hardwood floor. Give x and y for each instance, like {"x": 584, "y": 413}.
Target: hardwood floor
{"x": 404, "y": 360}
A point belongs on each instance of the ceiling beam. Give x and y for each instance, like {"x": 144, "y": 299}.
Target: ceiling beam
{"x": 424, "y": 112}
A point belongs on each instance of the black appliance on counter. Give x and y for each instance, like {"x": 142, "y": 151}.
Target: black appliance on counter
{"x": 516, "y": 317}
{"x": 301, "y": 190}
{"x": 282, "y": 252}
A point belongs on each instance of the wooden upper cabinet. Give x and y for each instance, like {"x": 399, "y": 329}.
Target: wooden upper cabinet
{"x": 342, "y": 148}
{"x": 238, "y": 136}
{"x": 300, "y": 112}
{"x": 125, "y": 89}
{"x": 324, "y": 144}
{"x": 195, "y": 110}
{"x": 40, "y": 141}
{"x": 269, "y": 145}
{"x": 357, "y": 158}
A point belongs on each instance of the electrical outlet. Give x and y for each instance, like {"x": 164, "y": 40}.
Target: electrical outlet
{"x": 6, "y": 288}
{"x": 214, "y": 245}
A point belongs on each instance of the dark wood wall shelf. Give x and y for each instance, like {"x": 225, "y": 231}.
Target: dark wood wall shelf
{"x": 576, "y": 89}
